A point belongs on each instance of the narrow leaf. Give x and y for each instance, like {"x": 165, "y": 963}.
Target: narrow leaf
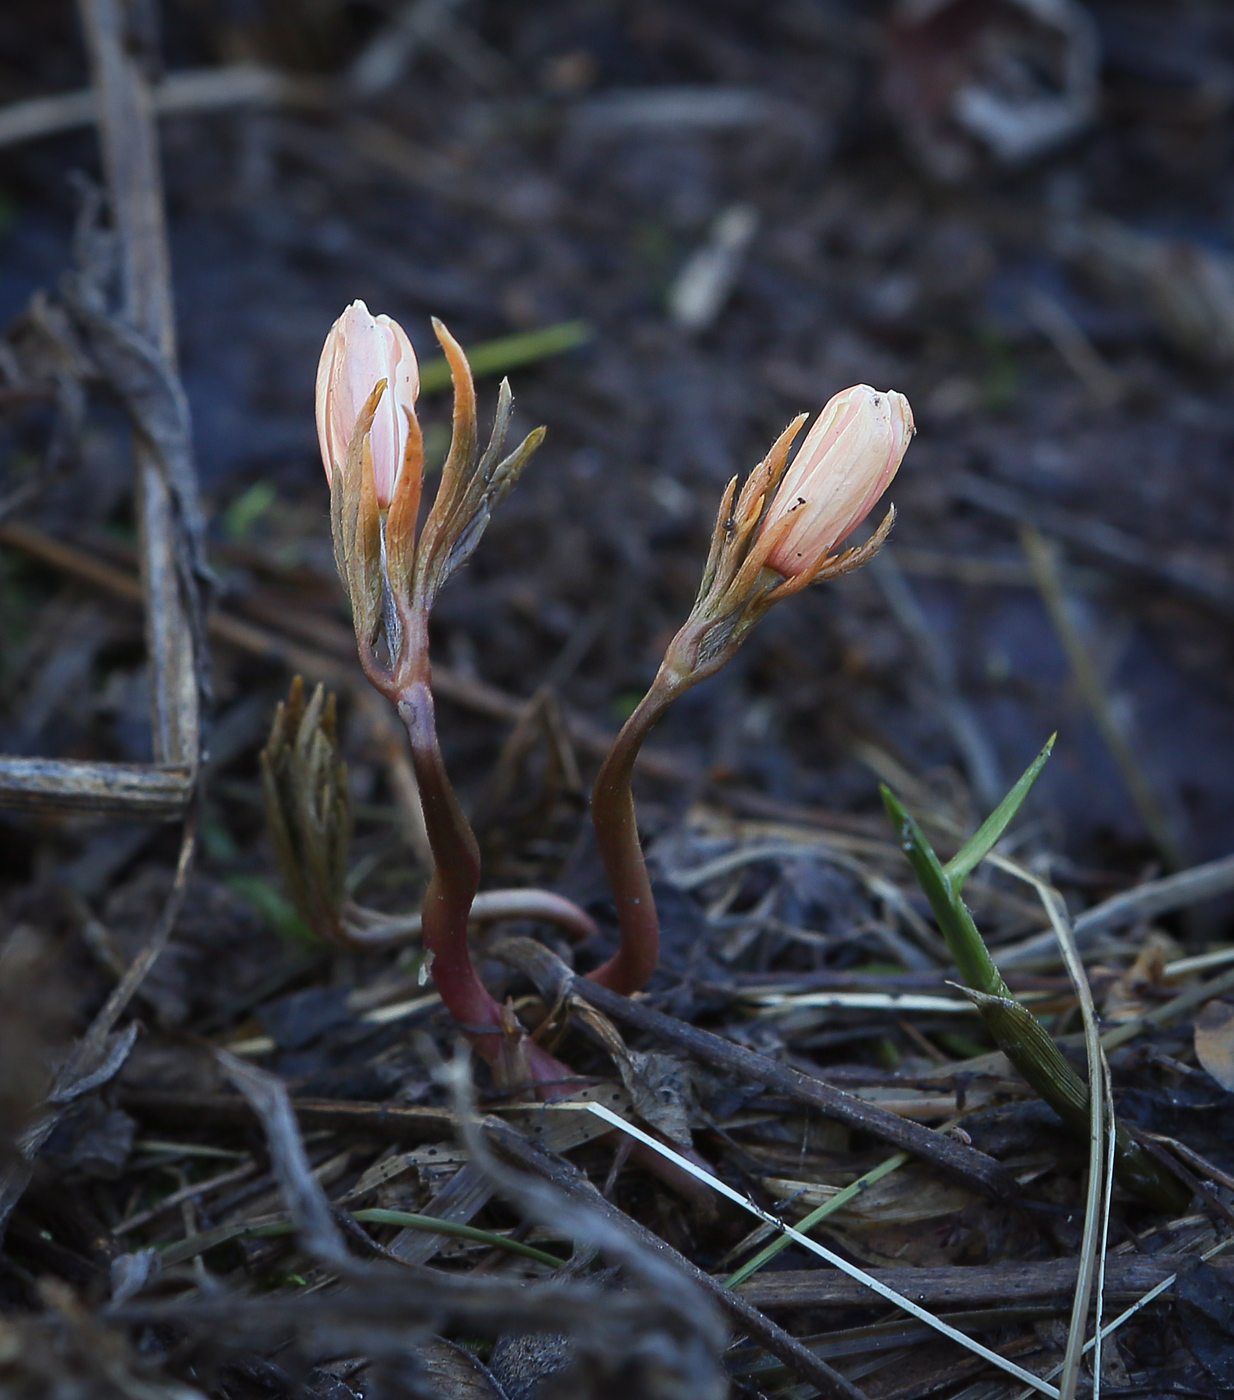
{"x": 964, "y": 943}
{"x": 983, "y": 841}
{"x": 840, "y": 1199}
{"x": 497, "y": 356}
{"x": 455, "y": 1229}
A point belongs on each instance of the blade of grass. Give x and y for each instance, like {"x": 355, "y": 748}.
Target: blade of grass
{"x": 887, "y": 1294}
{"x": 987, "y": 836}
{"x": 270, "y": 1226}
{"x": 1097, "y": 1204}
{"x": 434, "y": 1226}
{"x": 964, "y": 943}
{"x": 508, "y": 352}
{"x": 1111, "y": 1157}
{"x": 841, "y": 1198}
{"x": 1018, "y": 1033}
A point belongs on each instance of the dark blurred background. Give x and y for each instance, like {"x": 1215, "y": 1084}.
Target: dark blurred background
{"x": 1019, "y": 214}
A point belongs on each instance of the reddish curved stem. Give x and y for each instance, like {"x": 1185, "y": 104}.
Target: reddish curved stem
{"x": 447, "y": 905}
{"x": 456, "y": 878}
{"x": 616, "y": 826}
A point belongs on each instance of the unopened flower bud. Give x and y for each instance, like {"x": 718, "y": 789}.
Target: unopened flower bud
{"x": 367, "y": 383}
{"x": 779, "y": 533}
{"x": 846, "y": 462}
{"x": 360, "y": 352}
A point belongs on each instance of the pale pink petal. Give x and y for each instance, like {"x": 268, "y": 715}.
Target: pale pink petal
{"x": 360, "y": 352}
{"x": 843, "y": 466}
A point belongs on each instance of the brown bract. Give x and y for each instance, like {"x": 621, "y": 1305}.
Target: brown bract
{"x": 472, "y": 485}
{"x": 356, "y": 525}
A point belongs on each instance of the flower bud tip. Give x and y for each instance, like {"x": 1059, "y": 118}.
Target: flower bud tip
{"x": 845, "y": 463}
{"x": 361, "y": 351}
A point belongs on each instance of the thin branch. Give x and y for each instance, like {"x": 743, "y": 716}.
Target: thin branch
{"x": 191, "y": 90}
{"x": 965, "y": 1164}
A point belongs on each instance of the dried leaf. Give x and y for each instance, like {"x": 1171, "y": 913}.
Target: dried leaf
{"x": 662, "y": 1090}
{"x": 1126, "y": 999}
{"x": 93, "y": 1139}
{"x": 660, "y": 1086}
{"x": 1214, "y": 1042}
{"x": 456, "y": 1372}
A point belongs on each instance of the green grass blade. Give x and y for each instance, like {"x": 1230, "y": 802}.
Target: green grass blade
{"x": 508, "y": 352}
{"x": 435, "y": 1226}
{"x": 261, "y": 896}
{"x": 263, "y": 1228}
{"x": 841, "y": 1198}
{"x": 963, "y": 941}
{"x": 1016, "y": 1031}
{"x": 983, "y": 841}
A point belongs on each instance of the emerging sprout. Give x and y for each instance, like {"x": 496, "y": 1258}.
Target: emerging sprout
{"x": 1016, "y": 1031}
{"x": 308, "y": 809}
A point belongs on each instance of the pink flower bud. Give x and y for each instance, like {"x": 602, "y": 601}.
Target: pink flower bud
{"x": 360, "y": 351}
{"x": 844, "y": 465}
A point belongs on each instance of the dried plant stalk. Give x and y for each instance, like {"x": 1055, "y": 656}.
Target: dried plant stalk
{"x": 308, "y": 808}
